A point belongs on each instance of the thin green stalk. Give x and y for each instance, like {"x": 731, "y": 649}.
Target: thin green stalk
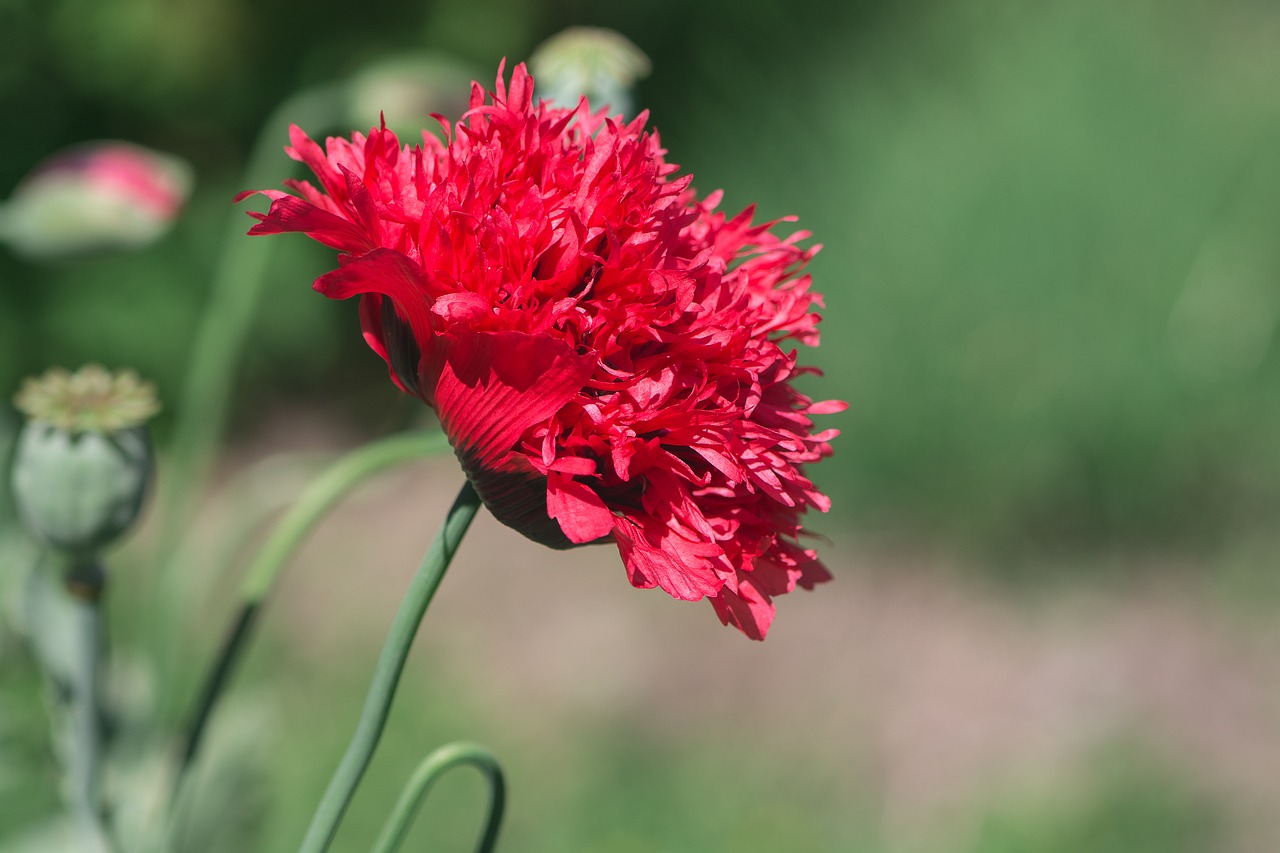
{"x": 432, "y": 768}
{"x": 85, "y": 756}
{"x": 320, "y": 496}
{"x": 84, "y": 722}
{"x": 386, "y": 676}
{"x": 228, "y": 318}
{"x": 216, "y": 349}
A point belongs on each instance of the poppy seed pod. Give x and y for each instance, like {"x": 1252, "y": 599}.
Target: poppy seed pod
{"x": 83, "y": 459}
{"x": 598, "y": 64}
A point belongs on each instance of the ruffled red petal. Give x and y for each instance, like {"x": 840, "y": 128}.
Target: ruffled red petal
{"x": 490, "y": 387}
{"x": 657, "y": 556}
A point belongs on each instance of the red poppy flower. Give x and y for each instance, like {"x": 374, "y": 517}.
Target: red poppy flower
{"x": 602, "y": 347}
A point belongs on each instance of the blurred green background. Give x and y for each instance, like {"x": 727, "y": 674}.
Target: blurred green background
{"x": 1052, "y": 277}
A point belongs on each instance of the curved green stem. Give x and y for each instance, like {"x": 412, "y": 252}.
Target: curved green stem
{"x": 320, "y": 496}
{"x": 323, "y": 494}
{"x": 432, "y": 768}
{"x": 386, "y": 676}
{"x": 254, "y": 499}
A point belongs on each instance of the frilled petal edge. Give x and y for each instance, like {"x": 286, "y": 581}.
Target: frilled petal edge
{"x": 657, "y": 556}
{"x": 747, "y": 610}
{"x": 291, "y": 214}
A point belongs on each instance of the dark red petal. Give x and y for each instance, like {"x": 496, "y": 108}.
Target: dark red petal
{"x": 581, "y": 512}
{"x": 391, "y": 274}
{"x": 573, "y": 465}
{"x": 813, "y": 572}
{"x": 460, "y": 307}
{"x": 518, "y": 499}
{"x": 307, "y": 151}
{"x": 747, "y": 610}
{"x": 492, "y": 386}
{"x": 489, "y": 388}
{"x": 394, "y": 312}
{"x": 371, "y": 325}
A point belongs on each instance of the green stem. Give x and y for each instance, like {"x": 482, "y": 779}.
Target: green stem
{"x": 386, "y": 676}
{"x": 84, "y": 759}
{"x": 219, "y": 341}
{"x": 432, "y": 768}
{"x": 320, "y": 496}
{"x": 228, "y": 318}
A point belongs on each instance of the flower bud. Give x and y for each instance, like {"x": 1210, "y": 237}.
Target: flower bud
{"x": 404, "y": 91}
{"x": 598, "y": 63}
{"x": 96, "y": 196}
{"x": 83, "y": 459}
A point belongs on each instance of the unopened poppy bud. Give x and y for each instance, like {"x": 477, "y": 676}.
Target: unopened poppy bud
{"x": 83, "y": 459}
{"x": 598, "y": 63}
{"x": 93, "y": 197}
{"x": 405, "y": 91}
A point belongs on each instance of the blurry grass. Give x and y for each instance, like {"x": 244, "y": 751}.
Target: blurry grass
{"x": 1131, "y": 803}
{"x": 1050, "y": 259}
{"x": 603, "y": 785}
{"x": 28, "y": 782}
{"x": 617, "y": 785}
{"x": 1033, "y": 225}
{"x": 632, "y": 778}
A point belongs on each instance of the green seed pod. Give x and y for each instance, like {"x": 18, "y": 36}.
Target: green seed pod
{"x": 83, "y": 460}
{"x": 78, "y": 492}
{"x": 598, "y": 63}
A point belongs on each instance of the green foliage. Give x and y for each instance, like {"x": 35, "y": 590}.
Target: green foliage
{"x": 28, "y": 783}
{"x": 1050, "y": 261}
{"x": 1131, "y": 804}
{"x": 664, "y": 793}
{"x": 604, "y": 786}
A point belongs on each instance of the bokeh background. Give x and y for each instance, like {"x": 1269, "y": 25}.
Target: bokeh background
{"x": 1052, "y": 272}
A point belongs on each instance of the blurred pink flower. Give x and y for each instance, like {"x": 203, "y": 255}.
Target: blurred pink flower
{"x": 602, "y": 347}
{"x": 94, "y": 196}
